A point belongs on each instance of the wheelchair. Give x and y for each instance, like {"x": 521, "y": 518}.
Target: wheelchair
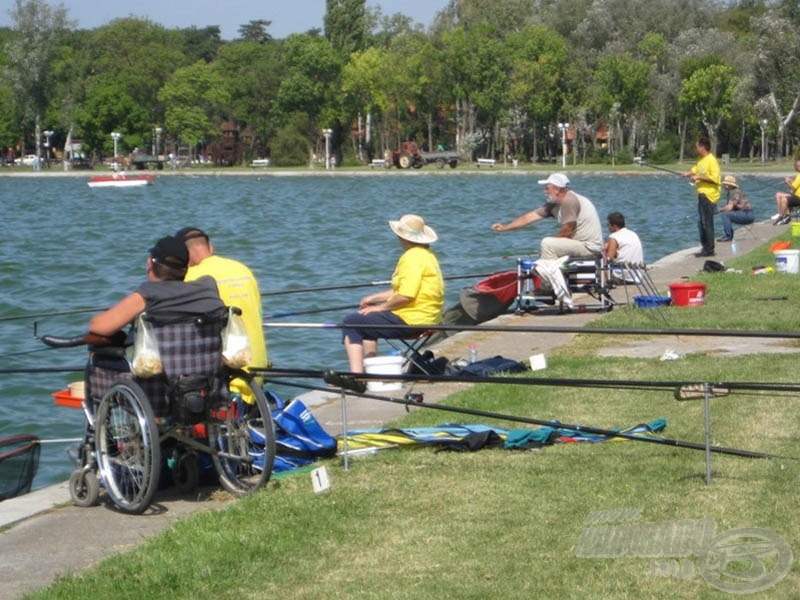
{"x": 583, "y": 275}
{"x": 180, "y": 419}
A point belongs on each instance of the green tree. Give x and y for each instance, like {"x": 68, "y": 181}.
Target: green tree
{"x": 130, "y": 59}
{"x": 195, "y": 98}
{"x": 252, "y": 73}
{"x": 29, "y": 60}
{"x": 709, "y": 93}
{"x": 346, "y": 25}
{"x": 538, "y": 60}
{"x": 255, "y": 31}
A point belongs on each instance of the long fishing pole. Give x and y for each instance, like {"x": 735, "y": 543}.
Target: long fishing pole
{"x": 643, "y": 163}
{"x": 332, "y": 378}
{"x": 746, "y": 333}
{"x": 717, "y": 388}
{"x": 279, "y": 315}
{"x": 323, "y": 288}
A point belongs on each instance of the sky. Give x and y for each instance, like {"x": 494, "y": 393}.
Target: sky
{"x": 287, "y": 16}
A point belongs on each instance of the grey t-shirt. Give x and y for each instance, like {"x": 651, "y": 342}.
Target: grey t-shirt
{"x": 170, "y": 300}
{"x": 579, "y": 209}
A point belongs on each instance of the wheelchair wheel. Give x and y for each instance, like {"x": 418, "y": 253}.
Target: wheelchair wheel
{"x": 242, "y": 438}
{"x": 84, "y": 489}
{"x": 127, "y": 445}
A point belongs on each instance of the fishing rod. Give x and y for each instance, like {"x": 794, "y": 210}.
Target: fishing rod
{"x": 279, "y": 315}
{"x": 746, "y": 333}
{"x": 55, "y": 313}
{"x": 334, "y": 378}
{"x": 683, "y": 390}
{"x": 323, "y": 288}
{"x": 643, "y": 163}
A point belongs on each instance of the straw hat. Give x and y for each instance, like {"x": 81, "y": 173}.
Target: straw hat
{"x": 730, "y": 181}
{"x": 413, "y": 229}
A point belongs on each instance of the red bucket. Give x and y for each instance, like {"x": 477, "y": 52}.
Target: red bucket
{"x": 687, "y": 294}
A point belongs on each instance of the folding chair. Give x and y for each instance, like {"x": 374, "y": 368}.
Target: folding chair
{"x": 410, "y": 347}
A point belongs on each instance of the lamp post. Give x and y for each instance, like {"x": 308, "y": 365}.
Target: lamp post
{"x": 327, "y": 133}
{"x": 157, "y": 147}
{"x": 563, "y": 127}
{"x": 763, "y": 123}
{"x": 115, "y": 135}
{"x": 47, "y": 135}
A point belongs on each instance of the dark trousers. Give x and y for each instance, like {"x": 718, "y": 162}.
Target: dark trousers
{"x": 705, "y": 223}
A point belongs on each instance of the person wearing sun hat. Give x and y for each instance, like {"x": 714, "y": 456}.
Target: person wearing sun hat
{"x": 737, "y": 210}
{"x": 580, "y": 234}
{"x": 416, "y": 297}
{"x": 164, "y": 294}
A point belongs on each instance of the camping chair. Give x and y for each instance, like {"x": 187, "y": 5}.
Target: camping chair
{"x": 410, "y": 348}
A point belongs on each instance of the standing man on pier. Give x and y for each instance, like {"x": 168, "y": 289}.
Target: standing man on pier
{"x": 706, "y": 177}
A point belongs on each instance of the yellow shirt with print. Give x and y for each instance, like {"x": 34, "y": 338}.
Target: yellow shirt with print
{"x": 418, "y": 276}
{"x": 237, "y": 287}
{"x": 708, "y": 167}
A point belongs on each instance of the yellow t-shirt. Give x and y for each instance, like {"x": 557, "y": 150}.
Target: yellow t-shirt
{"x": 418, "y": 276}
{"x": 237, "y": 287}
{"x": 796, "y": 185}
{"x": 709, "y": 167}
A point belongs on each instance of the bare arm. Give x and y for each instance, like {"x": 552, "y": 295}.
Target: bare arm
{"x": 391, "y": 301}
{"x": 567, "y": 229}
{"x": 119, "y": 315}
{"x": 611, "y": 249}
{"x": 521, "y": 221}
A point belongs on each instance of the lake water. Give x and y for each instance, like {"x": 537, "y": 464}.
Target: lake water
{"x": 66, "y": 246}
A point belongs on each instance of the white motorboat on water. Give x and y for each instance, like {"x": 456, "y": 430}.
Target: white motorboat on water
{"x": 120, "y": 179}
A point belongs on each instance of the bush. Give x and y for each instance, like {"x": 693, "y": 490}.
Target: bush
{"x": 666, "y": 151}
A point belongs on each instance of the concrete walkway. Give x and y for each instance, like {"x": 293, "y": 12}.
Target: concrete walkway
{"x": 43, "y": 536}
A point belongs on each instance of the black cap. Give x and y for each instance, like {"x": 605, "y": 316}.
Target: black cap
{"x": 190, "y": 233}
{"x": 171, "y": 252}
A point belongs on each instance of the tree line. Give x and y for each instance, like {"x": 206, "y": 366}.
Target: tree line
{"x": 604, "y": 80}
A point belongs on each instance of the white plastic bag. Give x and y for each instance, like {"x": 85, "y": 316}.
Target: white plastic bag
{"x": 146, "y": 357}
{"x": 236, "y": 351}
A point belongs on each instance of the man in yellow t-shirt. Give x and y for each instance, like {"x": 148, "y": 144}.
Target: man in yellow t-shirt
{"x": 416, "y": 296}
{"x": 707, "y": 178}
{"x": 786, "y": 201}
{"x": 237, "y": 287}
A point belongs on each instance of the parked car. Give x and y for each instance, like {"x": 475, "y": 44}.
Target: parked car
{"x": 29, "y": 160}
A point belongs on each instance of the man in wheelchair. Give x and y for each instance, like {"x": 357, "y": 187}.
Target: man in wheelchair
{"x": 167, "y": 299}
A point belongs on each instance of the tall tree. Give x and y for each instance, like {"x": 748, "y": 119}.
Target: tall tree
{"x": 346, "y": 25}
{"x": 255, "y": 31}
{"x": 709, "y": 92}
{"x": 30, "y": 58}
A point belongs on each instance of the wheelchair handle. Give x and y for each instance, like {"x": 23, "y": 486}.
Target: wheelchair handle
{"x": 88, "y": 338}
{"x": 55, "y": 341}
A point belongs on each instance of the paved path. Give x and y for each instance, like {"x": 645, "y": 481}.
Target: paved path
{"x": 43, "y": 536}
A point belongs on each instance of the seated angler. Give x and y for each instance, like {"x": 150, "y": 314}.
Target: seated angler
{"x": 415, "y": 298}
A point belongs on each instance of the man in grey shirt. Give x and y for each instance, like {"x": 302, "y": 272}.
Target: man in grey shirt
{"x": 581, "y": 233}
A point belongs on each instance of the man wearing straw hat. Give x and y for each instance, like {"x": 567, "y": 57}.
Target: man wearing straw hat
{"x": 737, "y": 210}
{"x": 416, "y": 297}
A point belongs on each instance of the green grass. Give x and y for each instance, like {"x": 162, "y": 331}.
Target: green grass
{"x": 497, "y": 523}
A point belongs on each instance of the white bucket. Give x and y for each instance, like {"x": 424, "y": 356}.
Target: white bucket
{"x": 384, "y": 365}
{"x": 787, "y": 261}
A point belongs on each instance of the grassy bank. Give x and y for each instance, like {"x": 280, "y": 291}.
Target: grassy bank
{"x": 501, "y": 523}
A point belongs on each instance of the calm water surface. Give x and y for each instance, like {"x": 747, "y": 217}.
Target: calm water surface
{"x": 66, "y": 246}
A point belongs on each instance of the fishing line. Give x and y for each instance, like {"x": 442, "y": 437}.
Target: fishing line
{"x": 643, "y": 163}
{"x": 55, "y": 313}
